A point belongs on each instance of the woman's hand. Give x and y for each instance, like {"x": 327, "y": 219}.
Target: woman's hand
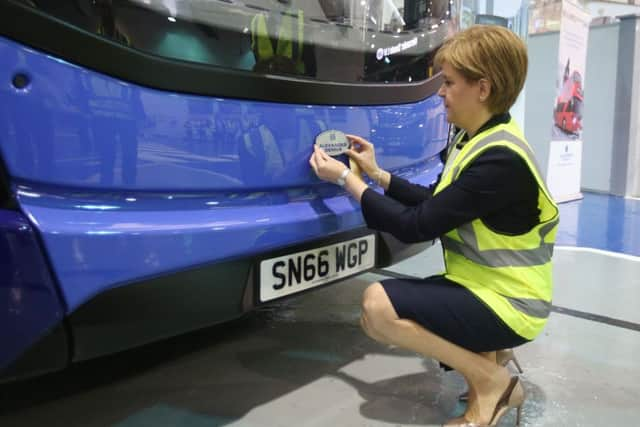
{"x": 326, "y": 167}
{"x": 363, "y": 153}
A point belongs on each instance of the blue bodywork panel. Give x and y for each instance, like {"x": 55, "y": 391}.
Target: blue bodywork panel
{"x": 29, "y": 302}
{"x": 125, "y": 183}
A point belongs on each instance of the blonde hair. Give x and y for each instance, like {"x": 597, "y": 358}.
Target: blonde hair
{"x": 493, "y": 53}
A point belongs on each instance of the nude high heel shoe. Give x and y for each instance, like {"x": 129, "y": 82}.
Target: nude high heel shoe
{"x": 503, "y": 357}
{"x": 512, "y": 398}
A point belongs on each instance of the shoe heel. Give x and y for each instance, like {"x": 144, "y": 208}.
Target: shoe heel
{"x": 509, "y": 356}
{"x": 512, "y": 398}
{"x": 515, "y": 362}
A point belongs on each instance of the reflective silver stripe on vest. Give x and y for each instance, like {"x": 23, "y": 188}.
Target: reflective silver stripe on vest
{"x": 500, "y": 257}
{"x": 531, "y": 307}
{"x": 502, "y": 135}
{"x": 507, "y": 258}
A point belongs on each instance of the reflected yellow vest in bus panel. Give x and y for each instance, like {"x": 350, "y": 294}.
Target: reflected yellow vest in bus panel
{"x": 511, "y": 274}
{"x": 261, "y": 42}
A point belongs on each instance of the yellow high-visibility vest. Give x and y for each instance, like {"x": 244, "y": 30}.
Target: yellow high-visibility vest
{"x": 261, "y": 43}
{"x": 511, "y": 274}
{"x": 117, "y": 35}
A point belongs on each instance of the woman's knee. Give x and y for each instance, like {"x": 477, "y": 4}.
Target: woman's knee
{"x": 376, "y": 306}
{"x": 371, "y": 298}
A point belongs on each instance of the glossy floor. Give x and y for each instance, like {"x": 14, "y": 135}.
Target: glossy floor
{"x": 305, "y": 362}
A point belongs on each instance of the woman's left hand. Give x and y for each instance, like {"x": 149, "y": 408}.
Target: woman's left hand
{"x": 326, "y": 167}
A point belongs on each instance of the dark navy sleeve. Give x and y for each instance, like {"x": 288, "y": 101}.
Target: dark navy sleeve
{"x": 496, "y": 186}
{"x": 407, "y": 192}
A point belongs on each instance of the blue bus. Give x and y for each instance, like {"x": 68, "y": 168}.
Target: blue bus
{"x": 154, "y": 174}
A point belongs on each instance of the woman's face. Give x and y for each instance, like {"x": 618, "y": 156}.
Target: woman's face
{"x": 462, "y": 99}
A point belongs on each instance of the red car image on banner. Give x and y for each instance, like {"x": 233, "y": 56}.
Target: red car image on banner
{"x": 567, "y": 114}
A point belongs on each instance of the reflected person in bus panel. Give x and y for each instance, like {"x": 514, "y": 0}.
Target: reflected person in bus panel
{"x": 495, "y": 219}
{"x": 278, "y": 41}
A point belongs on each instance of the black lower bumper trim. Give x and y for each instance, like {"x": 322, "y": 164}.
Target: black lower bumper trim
{"x": 138, "y": 313}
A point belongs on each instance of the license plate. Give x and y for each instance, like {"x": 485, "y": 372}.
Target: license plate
{"x": 296, "y": 272}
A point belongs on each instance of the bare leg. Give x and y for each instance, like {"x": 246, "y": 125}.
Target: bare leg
{"x": 490, "y": 355}
{"x": 487, "y": 380}
{"x": 502, "y": 358}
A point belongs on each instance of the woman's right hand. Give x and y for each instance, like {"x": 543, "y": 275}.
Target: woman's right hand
{"x": 363, "y": 153}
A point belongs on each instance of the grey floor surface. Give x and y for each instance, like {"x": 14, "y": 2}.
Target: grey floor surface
{"x": 305, "y": 362}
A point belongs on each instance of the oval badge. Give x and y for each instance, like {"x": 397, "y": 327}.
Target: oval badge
{"x": 334, "y": 142}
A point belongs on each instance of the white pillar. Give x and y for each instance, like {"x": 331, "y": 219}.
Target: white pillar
{"x": 625, "y": 164}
